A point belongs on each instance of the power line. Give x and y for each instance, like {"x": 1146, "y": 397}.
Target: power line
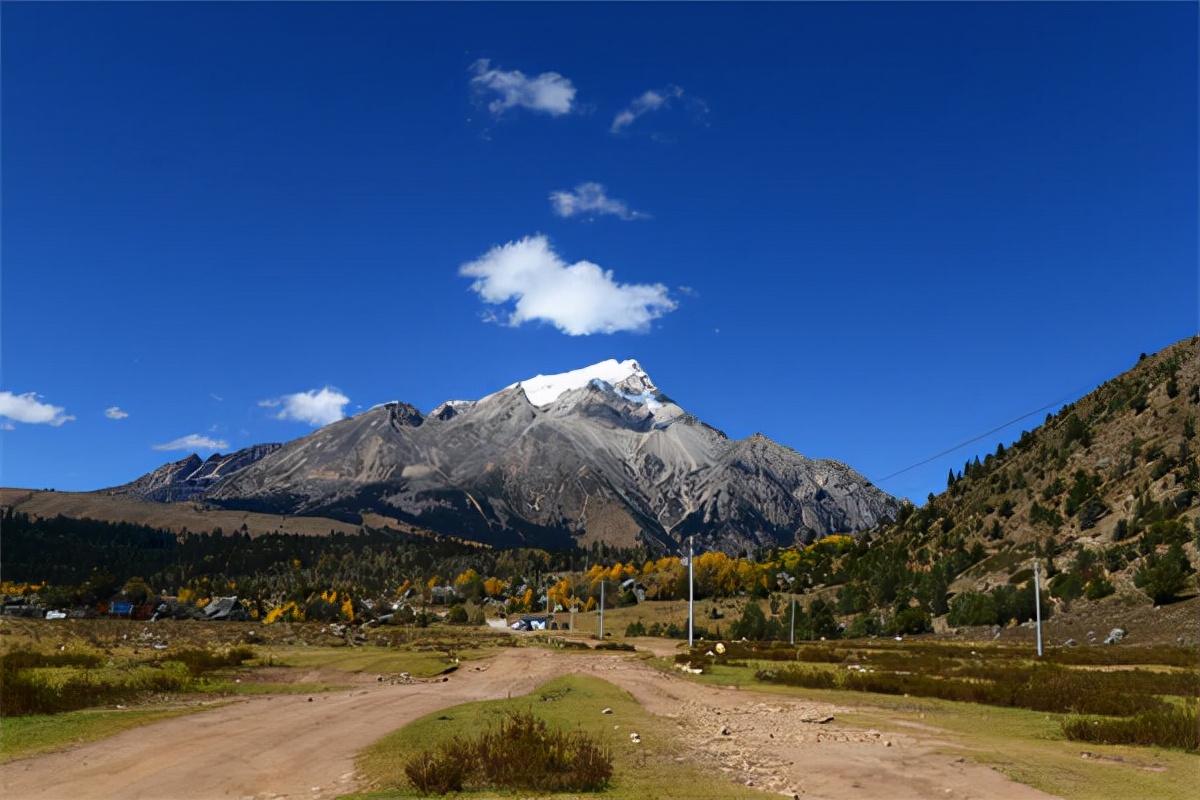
{"x": 997, "y": 429}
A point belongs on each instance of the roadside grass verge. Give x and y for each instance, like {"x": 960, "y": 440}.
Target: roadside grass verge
{"x": 34, "y": 734}
{"x": 570, "y": 704}
{"x": 47, "y": 683}
{"x": 421, "y": 663}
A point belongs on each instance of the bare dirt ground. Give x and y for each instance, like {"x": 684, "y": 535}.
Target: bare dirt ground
{"x": 295, "y": 746}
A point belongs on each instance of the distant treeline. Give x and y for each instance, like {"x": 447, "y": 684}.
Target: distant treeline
{"x": 62, "y": 551}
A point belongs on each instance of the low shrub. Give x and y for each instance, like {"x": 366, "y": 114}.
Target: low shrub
{"x": 199, "y": 661}
{"x": 519, "y": 753}
{"x": 1166, "y": 727}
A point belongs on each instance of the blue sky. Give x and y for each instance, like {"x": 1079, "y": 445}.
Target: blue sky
{"x": 868, "y": 231}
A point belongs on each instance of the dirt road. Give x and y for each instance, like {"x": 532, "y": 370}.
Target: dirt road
{"x": 294, "y": 746}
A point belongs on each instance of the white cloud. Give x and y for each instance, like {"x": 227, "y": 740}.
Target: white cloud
{"x": 655, "y": 99}
{"x": 115, "y": 413}
{"x": 578, "y": 299}
{"x": 194, "y": 441}
{"x": 651, "y": 100}
{"x": 316, "y": 407}
{"x": 28, "y": 408}
{"x": 549, "y": 92}
{"x": 7, "y": 426}
{"x": 589, "y": 198}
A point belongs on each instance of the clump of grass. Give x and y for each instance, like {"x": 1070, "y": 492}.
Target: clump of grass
{"x": 1173, "y": 726}
{"x": 199, "y": 661}
{"x": 440, "y": 772}
{"x": 520, "y": 753}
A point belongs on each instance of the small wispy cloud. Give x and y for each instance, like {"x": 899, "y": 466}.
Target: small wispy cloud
{"x": 30, "y": 409}
{"x": 316, "y": 407}
{"x": 548, "y": 93}
{"x": 579, "y": 299}
{"x": 7, "y": 426}
{"x": 115, "y": 413}
{"x": 193, "y": 442}
{"x": 653, "y": 100}
{"x": 591, "y": 199}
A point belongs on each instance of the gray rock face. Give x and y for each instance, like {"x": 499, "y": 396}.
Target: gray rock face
{"x": 191, "y": 478}
{"x": 610, "y": 459}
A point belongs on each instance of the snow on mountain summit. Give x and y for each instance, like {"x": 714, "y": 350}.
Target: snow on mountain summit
{"x": 545, "y": 389}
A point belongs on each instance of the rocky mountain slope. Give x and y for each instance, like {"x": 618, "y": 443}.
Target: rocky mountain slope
{"x": 190, "y": 477}
{"x": 594, "y": 454}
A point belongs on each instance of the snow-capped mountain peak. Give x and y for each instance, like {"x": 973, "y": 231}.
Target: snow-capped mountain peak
{"x": 541, "y": 390}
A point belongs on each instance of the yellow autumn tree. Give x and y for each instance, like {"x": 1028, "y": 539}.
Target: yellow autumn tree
{"x": 560, "y": 593}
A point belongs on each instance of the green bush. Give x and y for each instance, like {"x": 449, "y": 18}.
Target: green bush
{"x": 1162, "y": 578}
{"x": 1066, "y": 586}
{"x": 1098, "y": 588}
{"x": 910, "y": 620}
{"x": 972, "y": 608}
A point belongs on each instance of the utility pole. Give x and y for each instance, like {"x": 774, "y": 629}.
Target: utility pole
{"x": 1037, "y": 603}
{"x": 792, "y": 634}
{"x": 691, "y": 590}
